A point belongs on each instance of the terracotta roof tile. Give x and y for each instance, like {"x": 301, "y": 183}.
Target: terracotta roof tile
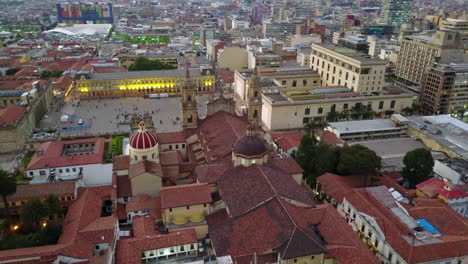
{"x": 184, "y": 195}
{"x": 145, "y": 166}
{"x": 124, "y": 186}
{"x": 210, "y": 173}
{"x": 28, "y": 191}
{"x": 288, "y": 140}
{"x": 171, "y": 137}
{"x": 50, "y": 154}
{"x": 10, "y": 114}
{"x": 257, "y": 184}
{"x": 337, "y": 186}
{"x": 121, "y": 162}
{"x": 434, "y": 187}
{"x": 170, "y": 157}
{"x": 129, "y": 249}
{"x": 288, "y": 164}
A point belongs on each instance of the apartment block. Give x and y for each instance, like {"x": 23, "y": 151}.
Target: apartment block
{"x": 340, "y": 66}
{"x": 444, "y": 90}
{"x": 418, "y": 52}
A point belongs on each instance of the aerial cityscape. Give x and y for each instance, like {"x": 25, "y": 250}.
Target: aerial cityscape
{"x": 234, "y": 132}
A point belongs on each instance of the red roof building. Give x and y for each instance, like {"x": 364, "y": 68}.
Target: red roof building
{"x": 287, "y": 142}
{"x": 88, "y": 235}
{"x": 406, "y": 233}
{"x": 185, "y": 195}
{"x": 53, "y": 154}
{"x": 10, "y": 114}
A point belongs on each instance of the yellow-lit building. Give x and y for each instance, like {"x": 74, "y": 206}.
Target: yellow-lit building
{"x": 137, "y": 83}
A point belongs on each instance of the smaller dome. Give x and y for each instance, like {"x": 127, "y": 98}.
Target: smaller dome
{"x": 143, "y": 139}
{"x": 250, "y": 145}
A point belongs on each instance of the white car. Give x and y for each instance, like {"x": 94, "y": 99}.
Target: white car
{"x": 80, "y": 122}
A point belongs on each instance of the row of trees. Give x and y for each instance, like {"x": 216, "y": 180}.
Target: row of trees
{"x": 317, "y": 158}
{"x": 51, "y": 74}
{"x": 34, "y": 211}
{"x": 145, "y": 64}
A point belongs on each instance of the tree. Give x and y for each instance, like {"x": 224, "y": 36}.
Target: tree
{"x": 358, "y": 160}
{"x": 7, "y": 187}
{"x": 53, "y": 207}
{"x": 33, "y": 212}
{"x": 315, "y": 158}
{"x": 145, "y": 64}
{"x": 418, "y": 166}
{"x": 333, "y": 116}
{"x": 315, "y": 125}
{"x": 11, "y": 71}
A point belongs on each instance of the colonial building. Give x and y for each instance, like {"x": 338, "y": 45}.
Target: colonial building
{"x": 139, "y": 83}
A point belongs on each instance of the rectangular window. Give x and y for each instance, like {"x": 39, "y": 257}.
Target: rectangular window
{"x": 320, "y": 110}
{"x": 304, "y": 82}
{"x": 145, "y": 157}
{"x": 188, "y": 207}
{"x": 392, "y": 104}
{"x": 307, "y": 111}
{"x": 183, "y": 146}
{"x": 31, "y": 173}
{"x": 177, "y": 146}
{"x": 170, "y": 147}
{"x": 42, "y": 172}
{"x": 390, "y": 256}
{"x": 381, "y": 104}
{"x": 67, "y": 170}
{"x": 345, "y": 106}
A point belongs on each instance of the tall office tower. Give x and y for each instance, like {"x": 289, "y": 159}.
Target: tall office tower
{"x": 282, "y": 12}
{"x": 444, "y": 90}
{"x": 418, "y": 52}
{"x": 396, "y": 12}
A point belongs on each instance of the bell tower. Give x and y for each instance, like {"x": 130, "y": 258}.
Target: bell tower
{"x": 189, "y": 103}
{"x": 254, "y": 104}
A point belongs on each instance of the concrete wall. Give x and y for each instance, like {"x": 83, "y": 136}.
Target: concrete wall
{"x": 232, "y": 58}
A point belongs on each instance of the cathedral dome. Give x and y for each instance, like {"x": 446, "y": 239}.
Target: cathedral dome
{"x": 143, "y": 139}
{"x": 250, "y": 145}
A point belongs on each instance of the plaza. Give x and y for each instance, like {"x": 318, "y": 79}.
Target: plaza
{"x": 111, "y": 116}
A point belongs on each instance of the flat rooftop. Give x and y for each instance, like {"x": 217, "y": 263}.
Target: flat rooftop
{"x": 353, "y": 54}
{"x": 363, "y": 126}
{"x": 144, "y": 74}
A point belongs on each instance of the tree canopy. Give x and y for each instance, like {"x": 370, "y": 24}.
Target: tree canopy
{"x": 358, "y": 160}
{"x": 418, "y": 166}
{"x": 315, "y": 158}
{"x": 145, "y": 64}
{"x": 33, "y": 212}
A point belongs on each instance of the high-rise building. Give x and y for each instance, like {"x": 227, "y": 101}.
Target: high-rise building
{"x": 279, "y": 29}
{"x": 85, "y": 13}
{"x": 445, "y": 90}
{"x": 396, "y": 12}
{"x": 418, "y": 52}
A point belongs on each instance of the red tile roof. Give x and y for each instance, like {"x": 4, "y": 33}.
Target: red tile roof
{"x": 121, "y": 163}
{"x": 49, "y": 154}
{"x": 171, "y": 137}
{"x": 63, "y": 82}
{"x": 376, "y": 202}
{"x": 434, "y": 187}
{"x": 169, "y": 157}
{"x": 59, "y": 189}
{"x": 288, "y": 164}
{"x": 184, "y": 195}
{"x": 124, "y": 186}
{"x": 329, "y": 138}
{"x": 210, "y": 173}
{"x": 144, "y": 202}
{"x": 284, "y": 228}
{"x": 243, "y": 188}
{"x": 337, "y": 186}
{"x": 129, "y": 249}
{"x": 10, "y": 114}
{"x": 82, "y": 228}
{"x": 218, "y": 133}
{"x": 226, "y": 75}
{"x": 145, "y": 166}
{"x": 288, "y": 140}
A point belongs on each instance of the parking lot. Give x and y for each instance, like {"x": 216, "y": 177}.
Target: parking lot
{"x": 113, "y": 115}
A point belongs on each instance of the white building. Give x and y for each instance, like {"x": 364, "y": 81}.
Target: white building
{"x": 81, "y": 160}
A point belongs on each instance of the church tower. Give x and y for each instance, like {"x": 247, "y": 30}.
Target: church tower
{"x": 189, "y": 103}
{"x": 254, "y": 104}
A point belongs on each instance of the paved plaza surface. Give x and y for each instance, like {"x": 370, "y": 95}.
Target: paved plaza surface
{"x": 112, "y": 115}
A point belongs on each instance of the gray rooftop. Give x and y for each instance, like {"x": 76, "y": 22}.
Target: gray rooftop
{"x": 356, "y": 55}
{"x": 363, "y": 125}
{"x": 143, "y": 74}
